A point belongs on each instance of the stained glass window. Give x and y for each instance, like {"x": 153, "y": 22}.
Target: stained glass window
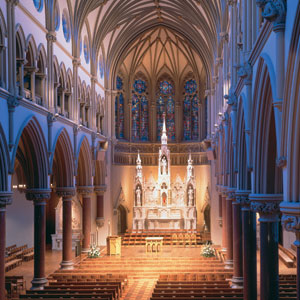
{"x": 139, "y": 111}
{"x": 119, "y": 109}
{"x": 166, "y": 105}
{"x": 66, "y": 25}
{"x": 101, "y": 66}
{"x": 56, "y": 17}
{"x": 86, "y": 50}
{"x": 190, "y": 111}
{"x": 38, "y": 4}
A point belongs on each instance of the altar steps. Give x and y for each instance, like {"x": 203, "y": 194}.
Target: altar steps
{"x": 170, "y": 238}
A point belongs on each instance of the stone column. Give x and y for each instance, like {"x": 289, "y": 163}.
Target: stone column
{"x": 291, "y": 222}
{"x": 51, "y": 39}
{"x": 5, "y": 199}
{"x": 39, "y": 198}
{"x": 229, "y": 229}
{"x": 267, "y": 205}
{"x": 86, "y": 216}
{"x": 224, "y": 222}
{"x": 75, "y": 114}
{"x": 100, "y": 190}
{"x": 67, "y": 193}
{"x": 237, "y": 279}
{"x": 249, "y": 246}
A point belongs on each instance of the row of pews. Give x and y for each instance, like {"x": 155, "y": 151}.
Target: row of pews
{"x": 70, "y": 285}
{"x": 14, "y": 256}
{"x": 170, "y": 237}
{"x": 211, "y": 287}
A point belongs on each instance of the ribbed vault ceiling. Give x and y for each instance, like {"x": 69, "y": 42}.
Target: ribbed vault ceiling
{"x": 115, "y": 25}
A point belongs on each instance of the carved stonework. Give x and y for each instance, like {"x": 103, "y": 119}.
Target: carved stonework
{"x": 85, "y": 190}
{"x": 38, "y": 194}
{"x": 51, "y": 36}
{"x": 231, "y": 97}
{"x": 268, "y": 210}
{"x": 281, "y": 161}
{"x": 291, "y": 223}
{"x": 66, "y": 192}
{"x": 51, "y": 118}
{"x": 245, "y": 72}
{"x": 275, "y": 11}
{"x": 5, "y": 198}
{"x": 12, "y": 103}
{"x": 100, "y": 222}
{"x": 100, "y": 189}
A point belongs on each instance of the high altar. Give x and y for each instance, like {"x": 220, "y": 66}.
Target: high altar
{"x": 163, "y": 204}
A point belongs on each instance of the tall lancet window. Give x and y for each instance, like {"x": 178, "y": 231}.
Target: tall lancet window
{"x": 166, "y": 105}
{"x": 190, "y": 111}
{"x": 119, "y": 109}
{"x": 139, "y": 111}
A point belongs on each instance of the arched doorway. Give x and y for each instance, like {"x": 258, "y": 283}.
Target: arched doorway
{"x": 122, "y": 219}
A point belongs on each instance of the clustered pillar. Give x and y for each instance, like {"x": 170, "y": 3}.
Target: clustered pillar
{"x": 86, "y": 216}
{"x": 39, "y": 198}
{"x": 229, "y": 228}
{"x": 67, "y": 194}
{"x": 267, "y": 205}
{"x": 100, "y": 190}
{"x": 5, "y": 199}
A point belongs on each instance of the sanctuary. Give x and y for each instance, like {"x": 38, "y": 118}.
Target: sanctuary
{"x": 163, "y": 204}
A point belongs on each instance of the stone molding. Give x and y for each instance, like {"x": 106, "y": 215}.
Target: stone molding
{"x": 5, "y": 198}
{"x": 242, "y": 197}
{"x": 85, "y": 190}
{"x": 12, "y": 102}
{"x": 38, "y": 195}
{"x": 267, "y": 205}
{"x": 230, "y": 194}
{"x": 291, "y": 223}
{"x": 100, "y": 189}
{"x": 66, "y": 192}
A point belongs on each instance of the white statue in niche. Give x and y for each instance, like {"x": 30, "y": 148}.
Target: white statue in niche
{"x": 164, "y": 165}
{"x": 190, "y": 196}
{"x": 138, "y": 196}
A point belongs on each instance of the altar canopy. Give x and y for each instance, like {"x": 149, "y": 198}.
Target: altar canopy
{"x": 163, "y": 204}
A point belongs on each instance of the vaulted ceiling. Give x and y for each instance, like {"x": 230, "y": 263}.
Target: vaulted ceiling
{"x": 118, "y": 26}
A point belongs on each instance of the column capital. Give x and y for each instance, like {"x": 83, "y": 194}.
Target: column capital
{"x": 51, "y": 118}
{"x": 267, "y": 205}
{"x": 65, "y": 192}
{"x": 100, "y": 189}
{"x": 274, "y": 11}
{"x": 76, "y": 61}
{"x": 231, "y": 2}
{"x": 12, "y": 103}
{"x": 224, "y": 36}
{"x": 51, "y": 36}
{"x": 290, "y": 216}
{"x": 242, "y": 197}
{"x": 5, "y": 198}
{"x": 230, "y": 193}
{"x": 231, "y": 97}
{"x": 85, "y": 190}
{"x": 38, "y": 196}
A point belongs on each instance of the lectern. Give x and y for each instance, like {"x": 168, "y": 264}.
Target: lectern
{"x": 113, "y": 245}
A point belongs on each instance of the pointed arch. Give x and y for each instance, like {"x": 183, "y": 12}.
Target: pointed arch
{"x": 31, "y": 152}
{"x": 84, "y": 163}
{"x": 31, "y": 46}
{"x": 20, "y": 42}
{"x": 62, "y": 163}
{"x": 267, "y": 177}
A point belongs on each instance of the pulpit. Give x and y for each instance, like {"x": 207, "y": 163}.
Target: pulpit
{"x": 113, "y": 245}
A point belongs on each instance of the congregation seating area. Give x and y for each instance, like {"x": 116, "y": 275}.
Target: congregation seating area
{"x": 14, "y": 285}
{"x": 16, "y": 255}
{"x": 70, "y": 284}
{"x": 170, "y": 237}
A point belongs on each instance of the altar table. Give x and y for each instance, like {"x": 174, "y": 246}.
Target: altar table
{"x": 154, "y": 242}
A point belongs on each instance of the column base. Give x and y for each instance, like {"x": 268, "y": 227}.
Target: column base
{"x": 229, "y": 264}
{"x": 67, "y": 265}
{"x": 237, "y": 282}
{"x": 38, "y": 283}
{"x": 85, "y": 250}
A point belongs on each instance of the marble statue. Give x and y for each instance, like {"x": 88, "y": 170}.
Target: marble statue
{"x": 138, "y": 196}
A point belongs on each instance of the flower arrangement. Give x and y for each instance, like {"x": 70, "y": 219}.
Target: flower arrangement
{"x": 207, "y": 251}
{"x": 94, "y": 252}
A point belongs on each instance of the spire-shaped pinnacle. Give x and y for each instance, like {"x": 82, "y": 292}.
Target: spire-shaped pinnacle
{"x": 138, "y": 160}
{"x": 164, "y": 137}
